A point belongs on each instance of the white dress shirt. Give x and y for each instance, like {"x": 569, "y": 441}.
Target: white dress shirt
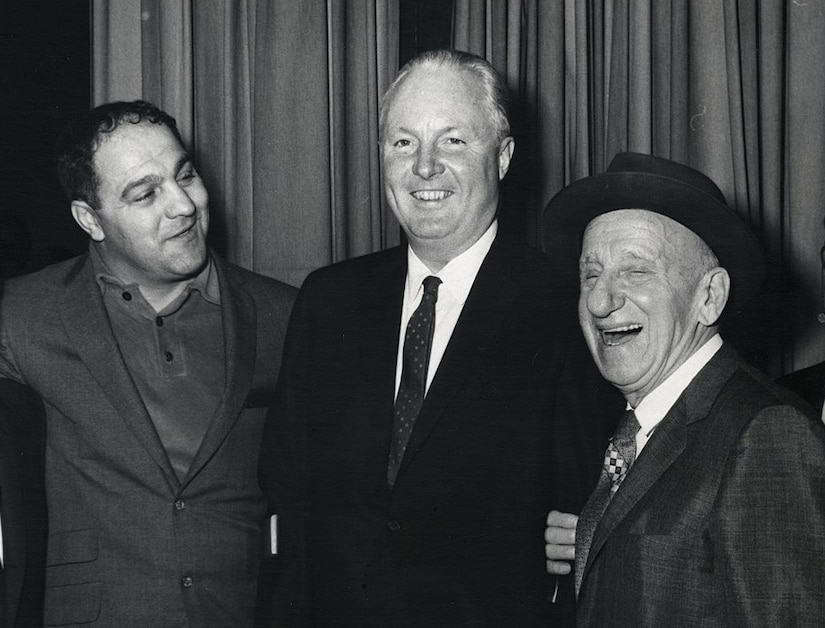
{"x": 457, "y": 279}
{"x": 653, "y": 408}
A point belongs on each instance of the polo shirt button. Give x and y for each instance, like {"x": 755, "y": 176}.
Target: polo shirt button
{"x": 180, "y": 504}
{"x": 159, "y": 321}
{"x": 393, "y": 525}
{"x": 168, "y": 356}
{"x": 187, "y": 582}
{"x": 127, "y": 296}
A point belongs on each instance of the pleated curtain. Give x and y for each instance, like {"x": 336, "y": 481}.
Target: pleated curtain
{"x": 279, "y": 102}
{"x": 733, "y": 88}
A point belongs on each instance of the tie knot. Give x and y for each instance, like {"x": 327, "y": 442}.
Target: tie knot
{"x": 431, "y": 287}
{"x": 628, "y": 427}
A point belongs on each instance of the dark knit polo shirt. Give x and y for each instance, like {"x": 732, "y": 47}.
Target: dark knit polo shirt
{"x": 175, "y": 356}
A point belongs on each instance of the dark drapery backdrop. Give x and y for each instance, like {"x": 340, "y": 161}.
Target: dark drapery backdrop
{"x": 280, "y": 103}
{"x": 732, "y": 88}
{"x": 44, "y": 81}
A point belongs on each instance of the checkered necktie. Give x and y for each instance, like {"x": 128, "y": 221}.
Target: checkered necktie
{"x": 620, "y": 454}
{"x": 416, "y": 360}
{"x": 621, "y": 450}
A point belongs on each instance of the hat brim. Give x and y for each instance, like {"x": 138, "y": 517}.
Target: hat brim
{"x": 732, "y": 241}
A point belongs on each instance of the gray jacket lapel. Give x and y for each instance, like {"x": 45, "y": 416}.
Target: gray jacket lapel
{"x": 666, "y": 444}
{"x": 87, "y": 326}
{"x": 239, "y": 317}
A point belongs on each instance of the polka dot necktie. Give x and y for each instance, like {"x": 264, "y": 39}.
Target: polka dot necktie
{"x": 416, "y": 360}
{"x": 620, "y": 454}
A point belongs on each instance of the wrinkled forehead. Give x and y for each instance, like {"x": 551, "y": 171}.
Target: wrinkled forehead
{"x": 135, "y": 150}
{"x": 130, "y": 137}
{"x": 432, "y": 95}
{"x": 642, "y": 224}
{"x": 631, "y": 235}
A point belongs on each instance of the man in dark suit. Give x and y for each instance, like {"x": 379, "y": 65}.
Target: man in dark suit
{"x": 22, "y": 506}
{"x": 409, "y": 462}
{"x": 808, "y": 383}
{"x": 155, "y": 359}
{"x": 711, "y": 506}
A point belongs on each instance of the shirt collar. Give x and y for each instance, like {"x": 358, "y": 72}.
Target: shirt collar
{"x": 205, "y": 282}
{"x": 458, "y": 274}
{"x": 653, "y": 408}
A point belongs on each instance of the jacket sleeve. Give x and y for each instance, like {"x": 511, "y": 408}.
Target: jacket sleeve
{"x": 283, "y": 591}
{"x": 769, "y": 527}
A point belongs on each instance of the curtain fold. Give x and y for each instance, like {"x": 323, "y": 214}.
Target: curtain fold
{"x": 804, "y": 170}
{"x": 279, "y": 103}
{"x": 116, "y": 51}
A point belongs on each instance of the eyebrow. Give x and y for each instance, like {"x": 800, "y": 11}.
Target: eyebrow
{"x": 639, "y": 255}
{"x": 441, "y": 131}
{"x": 154, "y": 178}
{"x": 631, "y": 255}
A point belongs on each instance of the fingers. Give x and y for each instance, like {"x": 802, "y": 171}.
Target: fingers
{"x": 562, "y": 519}
{"x": 560, "y": 536}
{"x": 560, "y": 539}
{"x": 558, "y": 568}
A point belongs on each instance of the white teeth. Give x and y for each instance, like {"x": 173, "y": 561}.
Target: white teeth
{"x": 614, "y": 337}
{"x": 625, "y": 328}
{"x": 431, "y": 195}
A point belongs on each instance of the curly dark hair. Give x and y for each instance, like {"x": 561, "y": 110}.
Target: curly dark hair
{"x": 80, "y": 139}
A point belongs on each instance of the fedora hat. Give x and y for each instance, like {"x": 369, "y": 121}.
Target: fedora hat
{"x": 637, "y": 181}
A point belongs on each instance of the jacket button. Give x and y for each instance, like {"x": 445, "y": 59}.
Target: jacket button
{"x": 180, "y": 504}
{"x": 393, "y": 525}
{"x": 187, "y": 582}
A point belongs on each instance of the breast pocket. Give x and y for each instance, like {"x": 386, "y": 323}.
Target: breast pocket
{"x": 72, "y": 547}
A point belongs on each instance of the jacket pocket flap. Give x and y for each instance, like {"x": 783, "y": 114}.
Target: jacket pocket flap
{"x": 72, "y": 546}
{"x": 72, "y": 604}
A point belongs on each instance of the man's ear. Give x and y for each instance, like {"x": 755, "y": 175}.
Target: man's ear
{"x": 87, "y": 218}
{"x": 505, "y": 154}
{"x": 714, "y": 291}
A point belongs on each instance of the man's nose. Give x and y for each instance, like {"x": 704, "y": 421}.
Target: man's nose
{"x": 604, "y": 297}
{"x": 180, "y": 203}
{"x": 428, "y": 162}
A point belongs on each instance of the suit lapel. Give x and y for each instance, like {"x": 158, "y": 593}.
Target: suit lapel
{"x": 667, "y": 443}
{"x": 487, "y": 304}
{"x": 239, "y": 321}
{"x": 87, "y": 326}
{"x": 659, "y": 453}
{"x": 374, "y": 330}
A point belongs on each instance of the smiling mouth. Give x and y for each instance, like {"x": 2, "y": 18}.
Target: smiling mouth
{"x": 184, "y": 232}
{"x": 431, "y": 195}
{"x": 620, "y": 335}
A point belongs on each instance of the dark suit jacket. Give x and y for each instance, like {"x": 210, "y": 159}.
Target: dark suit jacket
{"x": 721, "y": 520}
{"x": 808, "y": 383}
{"x": 22, "y": 504}
{"x": 130, "y": 544}
{"x": 458, "y": 541}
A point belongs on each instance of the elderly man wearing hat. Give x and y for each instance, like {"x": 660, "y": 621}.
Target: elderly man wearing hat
{"x": 710, "y": 509}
